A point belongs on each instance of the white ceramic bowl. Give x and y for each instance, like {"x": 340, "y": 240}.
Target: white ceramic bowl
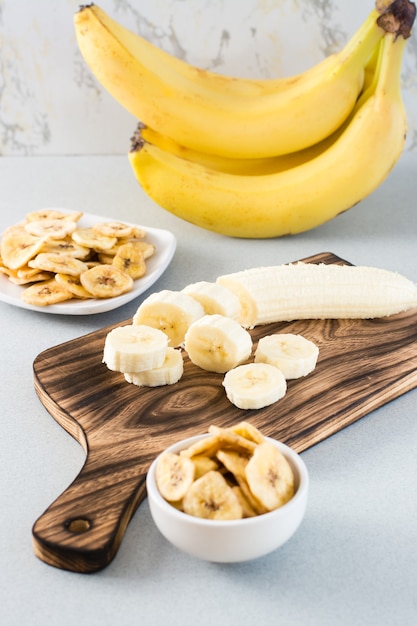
{"x": 232, "y": 540}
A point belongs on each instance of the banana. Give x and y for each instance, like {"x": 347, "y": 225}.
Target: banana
{"x": 254, "y": 385}
{"x": 134, "y": 348}
{"x": 302, "y": 197}
{"x": 272, "y": 117}
{"x": 294, "y": 355}
{"x": 318, "y": 291}
{"x": 170, "y": 311}
{"x": 214, "y": 298}
{"x": 168, "y": 373}
{"x": 174, "y": 476}
{"x": 210, "y": 497}
{"x": 270, "y": 477}
{"x": 217, "y": 343}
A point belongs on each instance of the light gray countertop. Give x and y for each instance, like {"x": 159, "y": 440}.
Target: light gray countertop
{"x": 354, "y": 559}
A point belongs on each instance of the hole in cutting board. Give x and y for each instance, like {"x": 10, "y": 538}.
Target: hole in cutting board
{"x": 78, "y": 526}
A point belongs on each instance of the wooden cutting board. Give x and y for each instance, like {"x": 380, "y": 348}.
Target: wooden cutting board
{"x": 362, "y": 365}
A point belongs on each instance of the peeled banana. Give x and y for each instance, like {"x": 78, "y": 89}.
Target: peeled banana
{"x": 318, "y": 291}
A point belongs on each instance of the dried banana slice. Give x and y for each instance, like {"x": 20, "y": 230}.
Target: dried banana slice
{"x": 210, "y": 497}
{"x": 204, "y": 464}
{"x": 106, "y": 281}
{"x": 270, "y": 477}
{"x": 230, "y": 439}
{"x": 53, "y": 214}
{"x": 247, "y": 509}
{"x": 58, "y": 264}
{"x": 114, "y": 229}
{"x": 174, "y": 475}
{"x": 18, "y": 247}
{"x": 207, "y": 446}
{"x": 89, "y": 238}
{"x": 44, "y": 293}
{"x": 67, "y": 246}
{"x": 50, "y": 229}
{"x": 131, "y": 260}
{"x": 248, "y": 431}
{"x": 73, "y": 284}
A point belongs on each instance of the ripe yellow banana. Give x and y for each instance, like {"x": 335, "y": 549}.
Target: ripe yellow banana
{"x": 302, "y": 197}
{"x": 223, "y": 115}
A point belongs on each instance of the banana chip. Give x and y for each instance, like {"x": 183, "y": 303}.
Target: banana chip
{"x": 50, "y": 252}
{"x": 234, "y": 473}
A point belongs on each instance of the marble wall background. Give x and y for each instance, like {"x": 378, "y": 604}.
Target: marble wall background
{"x": 50, "y": 104}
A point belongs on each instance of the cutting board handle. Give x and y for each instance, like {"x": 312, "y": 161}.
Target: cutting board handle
{"x": 82, "y": 529}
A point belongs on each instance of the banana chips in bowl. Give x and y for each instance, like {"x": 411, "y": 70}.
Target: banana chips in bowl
{"x": 229, "y": 495}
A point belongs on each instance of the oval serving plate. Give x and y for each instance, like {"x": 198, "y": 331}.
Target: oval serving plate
{"x": 165, "y": 246}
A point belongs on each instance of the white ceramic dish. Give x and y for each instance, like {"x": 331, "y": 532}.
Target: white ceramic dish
{"x": 165, "y": 245}
{"x": 234, "y": 540}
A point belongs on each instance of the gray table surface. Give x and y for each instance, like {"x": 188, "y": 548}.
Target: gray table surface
{"x": 354, "y": 559}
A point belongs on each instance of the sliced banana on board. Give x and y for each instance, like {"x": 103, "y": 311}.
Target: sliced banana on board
{"x": 217, "y": 343}
{"x": 293, "y": 354}
{"x": 168, "y": 373}
{"x": 215, "y": 298}
{"x": 254, "y": 385}
{"x": 170, "y": 311}
{"x": 134, "y": 348}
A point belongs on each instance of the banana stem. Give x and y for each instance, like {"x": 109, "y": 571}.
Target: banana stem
{"x": 397, "y": 17}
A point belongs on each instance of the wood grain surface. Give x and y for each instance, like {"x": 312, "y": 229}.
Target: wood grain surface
{"x": 362, "y": 365}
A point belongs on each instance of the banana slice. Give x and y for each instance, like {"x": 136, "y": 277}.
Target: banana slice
{"x": 73, "y": 284}
{"x": 53, "y": 214}
{"x": 210, "y": 497}
{"x": 170, "y": 311}
{"x": 294, "y": 355}
{"x": 254, "y": 385}
{"x": 47, "y": 292}
{"x": 215, "y": 298}
{"x": 66, "y": 246}
{"x": 248, "y": 431}
{"x": 174, "y": 475}
{"x": 106, "y": 281}
{"x": 113, "y": 229}
{"x": 203, "y": 464}
{"x": 18, "y": 247}
{"x": 58, "y": 264}
{"x": 207, "y": 446}
{"x": 270, "y": 477}
{"x": 89, "y": 238}
{"x": 217, "y": 343}
{"x": 168, "y": 373}
{"x": 134, "y": 348}
{"x": 50, "y": 228}
{"x": 230, "y": 439}
{"x": 131, "y": 260}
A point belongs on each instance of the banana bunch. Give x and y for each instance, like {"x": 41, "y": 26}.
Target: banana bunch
{"x": 258, "y": 158}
